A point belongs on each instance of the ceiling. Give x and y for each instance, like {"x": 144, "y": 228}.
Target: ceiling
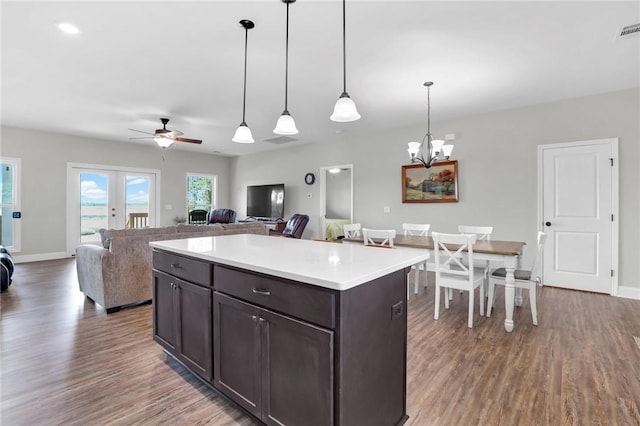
{"x": 135, "y": 62}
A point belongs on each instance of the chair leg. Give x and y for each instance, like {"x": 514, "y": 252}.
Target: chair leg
{"x": 436, "y": 310}
{"x": 492, "y": 289}
{"x": 416, "y": 279}
{"x": 482, "y": 299}
{"x": 532, "y": 301}
{"x": 447, "y": 292}
{"x": 470, "y": 321}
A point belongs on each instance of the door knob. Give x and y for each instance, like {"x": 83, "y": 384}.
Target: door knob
{"x": 548, "y": 223}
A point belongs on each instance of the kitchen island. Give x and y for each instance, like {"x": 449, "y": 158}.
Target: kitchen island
{"x": 295, "y": 332}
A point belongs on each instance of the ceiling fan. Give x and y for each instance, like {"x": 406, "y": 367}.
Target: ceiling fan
{"x": 165, "y": 137}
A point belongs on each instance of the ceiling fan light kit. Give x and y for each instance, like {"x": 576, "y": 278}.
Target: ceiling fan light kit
{"x": 286, "y": 125}
{"x": 243, "y": 132}
{"x": 436, "y": 149}
{"x": 345, "y": 109}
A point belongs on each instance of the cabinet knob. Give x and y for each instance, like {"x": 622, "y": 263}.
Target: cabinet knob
{"x": 175, "y": 265}
{"x": 254, "y": 318}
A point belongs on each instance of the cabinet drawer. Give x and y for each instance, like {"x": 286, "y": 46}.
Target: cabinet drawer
{"x": 301, "y": 301}
{"x": 196, "y": 271}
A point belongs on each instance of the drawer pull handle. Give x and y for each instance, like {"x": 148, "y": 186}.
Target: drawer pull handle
{"x": 175, "y": 265}
{"x": 262, "y": 292}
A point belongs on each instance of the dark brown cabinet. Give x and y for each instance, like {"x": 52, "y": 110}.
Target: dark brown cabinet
{"x": 287, "y": 352}
{"x": 277, "y": 368}
{"x": 182, "y": 315}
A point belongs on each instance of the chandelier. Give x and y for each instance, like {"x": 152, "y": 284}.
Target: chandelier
{"x": 436, "y": 150}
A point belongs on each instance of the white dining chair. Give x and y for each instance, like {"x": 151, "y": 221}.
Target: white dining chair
{"x": 378, "y": 237}
{"x": 450, "y": 250}
{"x": 422, "y": 230}
{"x": 481, "y": 233}
{"x": 352, "y": 230}
{"x": 524, "y": 279}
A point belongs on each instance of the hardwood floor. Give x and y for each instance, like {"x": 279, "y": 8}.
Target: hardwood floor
{"x": 63, "y": 361}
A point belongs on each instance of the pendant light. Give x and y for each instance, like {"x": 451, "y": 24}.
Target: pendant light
{"x": 285, "y": 124}
{"x": 243, "y": 133}
{"x": 345, "y": 109}
{"x": 436, "y": 150}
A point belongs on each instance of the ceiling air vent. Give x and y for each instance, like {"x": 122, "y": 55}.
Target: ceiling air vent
{"x": 629, "y": 31}
{"x": 280, "y": 140}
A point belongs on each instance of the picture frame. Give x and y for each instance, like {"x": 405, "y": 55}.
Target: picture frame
{"x": 437, "y": 184}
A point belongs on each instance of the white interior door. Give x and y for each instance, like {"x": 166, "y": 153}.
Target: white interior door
{"x": 106, "y": 198}
{"x": 578, "y": 210}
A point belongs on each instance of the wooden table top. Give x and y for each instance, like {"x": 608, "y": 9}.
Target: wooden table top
{"x": 505, "y": 248}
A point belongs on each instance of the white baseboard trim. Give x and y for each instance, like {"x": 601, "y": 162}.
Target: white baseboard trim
{"x": 39, "y": 257}
{"x": 629, "y": 292}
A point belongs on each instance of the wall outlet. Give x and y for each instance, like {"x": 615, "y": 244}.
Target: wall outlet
{"x": 397, "y": 310}
{"x": 386, "y": 209}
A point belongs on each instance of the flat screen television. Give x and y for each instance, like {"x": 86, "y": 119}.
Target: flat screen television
{"x": 265, "y": 201}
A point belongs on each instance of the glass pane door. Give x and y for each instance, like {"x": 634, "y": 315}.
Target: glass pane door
{"x": 94, "y": 205}
{"x": 137, "y": 189}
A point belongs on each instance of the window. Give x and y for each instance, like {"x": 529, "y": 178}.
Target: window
{"x": 201, "y": 192}
{"x": 10, "y": 203}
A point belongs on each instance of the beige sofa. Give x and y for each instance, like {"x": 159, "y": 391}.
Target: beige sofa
{"x": 118, "y": 272}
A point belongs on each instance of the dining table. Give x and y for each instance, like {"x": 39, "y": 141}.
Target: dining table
{"x": 508, "y": 253}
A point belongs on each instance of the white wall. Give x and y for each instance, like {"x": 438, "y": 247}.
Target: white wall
{"x": 497, "y": 154}
{"x": 44, "y": 179}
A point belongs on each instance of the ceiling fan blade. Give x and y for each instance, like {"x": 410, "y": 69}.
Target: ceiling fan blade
{"x": 143, "y": 137}
{"x": 146, "y": 133}
{"x": 198, "y": 141}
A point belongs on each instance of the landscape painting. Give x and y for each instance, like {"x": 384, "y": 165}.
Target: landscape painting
{"x": 437, "y": 184}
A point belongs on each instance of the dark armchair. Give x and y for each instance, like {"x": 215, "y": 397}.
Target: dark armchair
{"x": 221, "y": 216}
{"x": 295, "y": 227}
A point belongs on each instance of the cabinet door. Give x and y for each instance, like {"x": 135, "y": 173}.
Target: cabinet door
{"x": 237, "y": 352}
{"x": 164, "y": 316}
{"x": 194, "y": 327}
{"x": 297, "y": 367}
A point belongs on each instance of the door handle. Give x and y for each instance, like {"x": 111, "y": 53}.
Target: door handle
{"x": 548, "y": 223}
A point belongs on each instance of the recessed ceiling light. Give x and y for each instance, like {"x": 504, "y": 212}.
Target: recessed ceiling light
{"x": 68, "y": 28}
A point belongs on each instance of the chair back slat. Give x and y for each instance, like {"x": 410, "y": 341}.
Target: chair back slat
{"x": 481, "y": 232}
{"x": 420, "y": 229}
{"x": 453, "y": 250}
{"x": 537, "y": 260}
{"x": 352, "y": 230}
{"x": 378, "y": 237}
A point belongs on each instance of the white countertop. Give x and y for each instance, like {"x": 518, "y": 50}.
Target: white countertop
{"x": 329, "y": 265}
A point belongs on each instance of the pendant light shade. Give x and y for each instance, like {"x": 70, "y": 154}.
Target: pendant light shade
{"x": 345, "y": 109}
{"x": 285, "y": 124}
{"x": 243, "y": 132}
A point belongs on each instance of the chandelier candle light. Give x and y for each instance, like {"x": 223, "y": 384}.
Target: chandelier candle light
{"x": 285, "y": 124}
{"x": 436, "y": 149}
{"x": 243, "y": 133}
{"x": 345, "y": 109}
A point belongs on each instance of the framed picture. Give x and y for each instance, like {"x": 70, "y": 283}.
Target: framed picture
{"x": 437, "y": 184}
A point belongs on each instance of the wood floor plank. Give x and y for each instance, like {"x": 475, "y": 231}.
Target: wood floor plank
{"x": 63, "y": 361}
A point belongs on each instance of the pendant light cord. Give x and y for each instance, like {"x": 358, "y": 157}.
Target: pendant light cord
{"x": 344, "y": 46}
{"x": 244, "y": 96}
{"x": 428, "y": 135}
{"x": 286, "y": 63}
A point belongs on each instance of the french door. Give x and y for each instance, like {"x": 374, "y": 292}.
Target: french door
{"x": 579, "y": 214}
{"x": 104, "y": 197}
